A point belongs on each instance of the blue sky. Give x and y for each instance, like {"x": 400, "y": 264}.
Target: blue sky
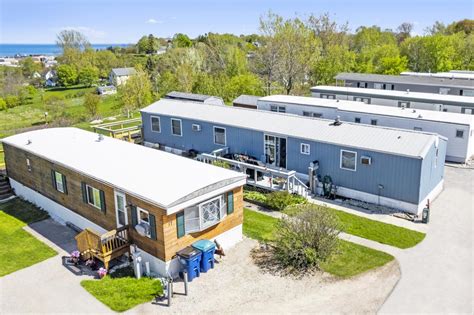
{"x": 118, "y": 21}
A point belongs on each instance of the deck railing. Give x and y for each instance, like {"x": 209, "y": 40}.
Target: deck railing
{"x": 262, "y": 176}
{"x": 104, "y": 247}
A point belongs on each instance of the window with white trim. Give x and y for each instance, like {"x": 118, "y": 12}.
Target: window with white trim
{"x": 373, "y": 122}
{"x": 58, "y": 177}
{"x": 28, "y": 164}
{"x": 204, "y": 215}
{"x": 93, "y": 197}
{"x": 176, "y": 128}
{"x": 277, "y": 108}
{"x": 348, "y": 160}
{"x": 219, "y": 136}
{"x": 365, "y": 100}
{"x": 357, "y": 120}
{"x": 143, "y": 217}
{"x": 378, "y": 86}
{"x": 459, "y": 133}
{"x": 155, "y": 124}
{"x": 305, "y": 148}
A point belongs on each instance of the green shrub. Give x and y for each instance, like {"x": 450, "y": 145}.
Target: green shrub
{"x": 12, "y": 101}
{"x": 222, "y": 164}
{"x": 306, "y": 240}
{"x": 3, "y": 104}
{"x": 279, "y": 200}
{"x": 255, "y": 196}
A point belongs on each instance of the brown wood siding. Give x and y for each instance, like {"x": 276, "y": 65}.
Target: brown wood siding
{"x": 166, "y": 245}
{"x": 174, "y": 244}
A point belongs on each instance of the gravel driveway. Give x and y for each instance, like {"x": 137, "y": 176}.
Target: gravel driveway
{"x": 437, "y": 274}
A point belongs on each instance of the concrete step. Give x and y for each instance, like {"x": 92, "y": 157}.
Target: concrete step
{"x": 6, "y": 196}
{"x": 5, "y": 190}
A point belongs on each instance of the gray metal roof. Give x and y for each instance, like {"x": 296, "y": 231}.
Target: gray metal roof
{"x": 406, "y": 79}
{"x": 123, "y": 71}
{"x": 372, "y": 138}
{"x": 435, "y": 98}
{"x": 188, "y": 96}
{"x": 250, "y": 100}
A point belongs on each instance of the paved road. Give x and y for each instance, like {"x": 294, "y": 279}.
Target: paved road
{"x": 437, "y": 274}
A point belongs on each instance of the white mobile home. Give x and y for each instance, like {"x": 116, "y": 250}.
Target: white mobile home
{"x": 457, "y": 128}
{"x": 407, "y": 99}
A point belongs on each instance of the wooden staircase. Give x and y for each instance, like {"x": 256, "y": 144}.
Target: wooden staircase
{"x": 105, "y": 247}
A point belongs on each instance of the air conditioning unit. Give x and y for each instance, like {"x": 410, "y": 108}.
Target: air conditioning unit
{"x": 366, "y": 160}
{"x": 196, "y": 127}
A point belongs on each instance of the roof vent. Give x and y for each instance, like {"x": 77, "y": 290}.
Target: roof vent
{"x": 28, "y": 142}
{"x": 337, "y": 121}
{"x": 337, "y": 101}
{"x": 419, "y": 116}
{"x": 414, "y": 111}
{"x": 408, "y": 91}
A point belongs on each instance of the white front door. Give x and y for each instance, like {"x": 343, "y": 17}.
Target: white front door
{"x": 120, "y": 209}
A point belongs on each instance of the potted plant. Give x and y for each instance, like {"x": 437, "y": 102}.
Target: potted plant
{"x": 75, "y": 257}
{"x": 102, "y": 272}
{"x": 91, "y": 263}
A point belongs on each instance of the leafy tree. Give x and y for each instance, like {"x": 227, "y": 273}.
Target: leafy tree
{"x": 67, "y": 75}
{"x": 181, "y": 40}
{"x": 404, "y": 31}
{"x": 242, "y": 84}
{"x": 136, "y": 92}
{"x": 393, "y": 65}
{"x": 185, "y": 77}
{"x": 105, "y": 60}
{"x": 91, "y": 103}
{"x": 72, "y": 40}
{"x": 148, "y": 44}
{"x": 88, "y": 76}
{"x": 236, "y": 62}
{"x": 166, "y": 83}
{"x": 306, "y": 240}
{"x": 29, "y": 67}
{"x": 336, "y": 59}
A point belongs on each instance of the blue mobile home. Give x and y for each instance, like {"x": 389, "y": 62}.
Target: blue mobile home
{"x": 392, "y": 167}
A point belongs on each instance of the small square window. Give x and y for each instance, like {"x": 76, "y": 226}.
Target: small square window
{"x": 305, "y": 148}
{"x": 59, "y": 181}
{"x": 28, "y": 164}
{"x": 418, "y": 129}
{"x": 459, "y": 133}
{"x": 357, "y": 120}
{"x": 373, "y": 122}
{"x": 273, "y": 108}
{"x": 348, "y": 160}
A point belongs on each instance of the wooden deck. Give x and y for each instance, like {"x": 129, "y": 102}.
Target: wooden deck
{"x": 105, "y": 247}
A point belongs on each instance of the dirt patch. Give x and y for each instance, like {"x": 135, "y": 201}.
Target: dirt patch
{"x": 238, "y": 285}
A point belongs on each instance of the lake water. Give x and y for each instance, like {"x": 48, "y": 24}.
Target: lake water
{"x": 9, "y": 50}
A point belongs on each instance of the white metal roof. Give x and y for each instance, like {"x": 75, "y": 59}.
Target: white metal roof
{"x": 361, "y": 107}
{"x": 461, "y": 75}
{"x": 373, "y": 138}
{"x": 434, "y": 97}
{"x": 164, "y": 179}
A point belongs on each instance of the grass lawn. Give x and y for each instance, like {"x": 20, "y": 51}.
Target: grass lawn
{"x": 121, "y": 294}
{"x": 30, "y": 115}
{"x": 351, "y": 259}
{"x": 18, "y": 248}
{"x": 377, "y": 231}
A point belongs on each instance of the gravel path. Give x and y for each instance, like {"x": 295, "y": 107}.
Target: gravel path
{"x": 237, "y": 285}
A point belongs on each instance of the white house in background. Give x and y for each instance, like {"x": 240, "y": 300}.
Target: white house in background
{"x": 36, "y": 75}
{"x": 50, "y": 74}
{"x": 106, "y": 90}
{"x": 119, "y": 76}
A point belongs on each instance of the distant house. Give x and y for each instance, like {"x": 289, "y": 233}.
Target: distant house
{"x": 246, "y": 101}
{"x": 36, "y": 75}
{"x": 106, "y": 90}
{"x": 119, "y": 76}
{"x": 50, "y": 74}
{"x": 206, "y": 99}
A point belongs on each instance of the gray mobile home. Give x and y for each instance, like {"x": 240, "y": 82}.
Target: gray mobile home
{"x": 403, "y": 83}
{"x": 457, "y": 128}
{"x": 428, "y": 101}
{"x": 391, "y": 167}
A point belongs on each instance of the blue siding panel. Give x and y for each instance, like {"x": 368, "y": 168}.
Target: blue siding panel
{"x": 399, "y": 175}
{"x": 430, "y": 175}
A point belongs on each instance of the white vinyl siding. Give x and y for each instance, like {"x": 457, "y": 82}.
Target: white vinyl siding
{"x": 348, "y": 160}
{"x": 155, "y": 124}
{"x": 219, "y": 136}
{"x": 176, "y": 127}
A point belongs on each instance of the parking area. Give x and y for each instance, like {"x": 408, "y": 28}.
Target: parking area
{"x": 437, "y": 274}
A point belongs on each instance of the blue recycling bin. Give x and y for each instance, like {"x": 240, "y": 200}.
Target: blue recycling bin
{"x": 207, "y": 248}
{"x": 190, "y": 259}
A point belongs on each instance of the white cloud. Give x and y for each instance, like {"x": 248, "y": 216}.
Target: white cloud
{"x": 153, "y": 21}
{"x": 89, "y": 32}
